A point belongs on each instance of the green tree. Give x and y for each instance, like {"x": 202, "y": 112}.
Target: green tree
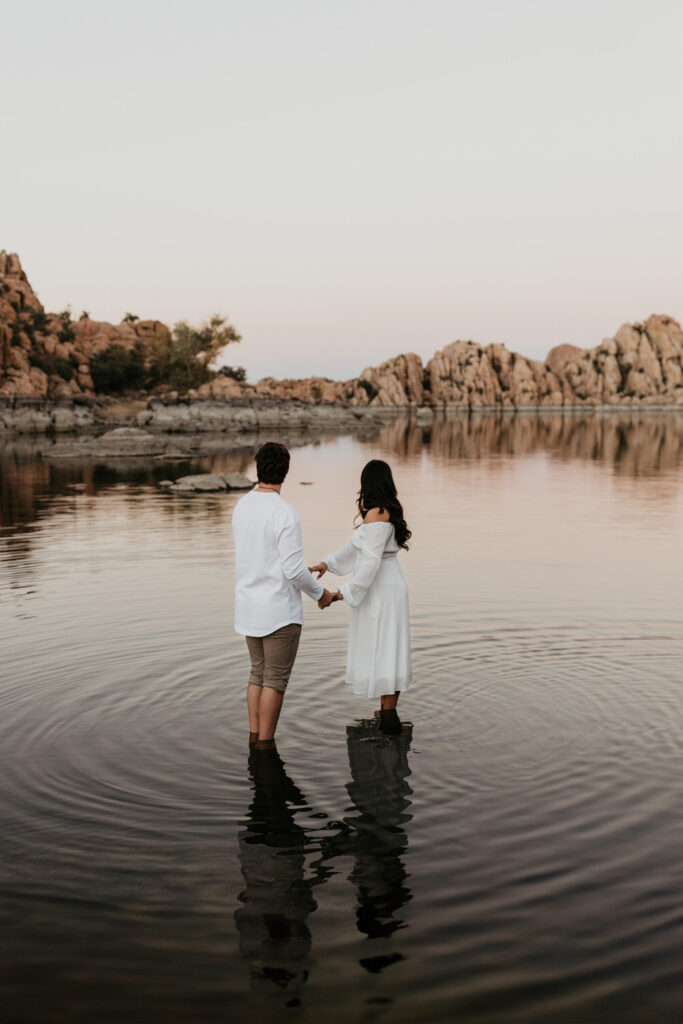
{"x": 183, "y": 359}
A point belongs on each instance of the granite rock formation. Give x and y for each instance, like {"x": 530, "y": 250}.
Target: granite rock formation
{"x": 47, "y": 356}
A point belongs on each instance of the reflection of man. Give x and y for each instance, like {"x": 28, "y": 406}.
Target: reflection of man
{"x": 277, "y": 898}
{"x": 270, "y": 576}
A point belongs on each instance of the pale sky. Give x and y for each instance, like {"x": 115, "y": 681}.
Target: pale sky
{"x": 348, "y": 181}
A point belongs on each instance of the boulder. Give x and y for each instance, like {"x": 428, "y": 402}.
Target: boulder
{"x": 559, "y": 356}
{"x": 238, "y": 482}
{"x": 202, "y": 483}
{"x": 463, "y": 374}
{"x": 398, "y": 381}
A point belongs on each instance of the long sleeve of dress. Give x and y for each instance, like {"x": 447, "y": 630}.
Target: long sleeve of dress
{"x": 290, "y": 545}
{"x": 373, "y": 540}
{"x": 341, "y": 561}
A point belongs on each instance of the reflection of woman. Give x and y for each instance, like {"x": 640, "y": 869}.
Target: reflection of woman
{"x": 380, "y": 793}
{"x": 378, "y": 662}
{"x": 277, "y": 898}
{"x": 376, "y": 838}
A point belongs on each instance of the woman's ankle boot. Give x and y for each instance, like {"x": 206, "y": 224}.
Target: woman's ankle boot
{"x": 389, "y": 722}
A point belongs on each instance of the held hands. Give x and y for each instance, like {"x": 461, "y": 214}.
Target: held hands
{"x": 328, "y": 597}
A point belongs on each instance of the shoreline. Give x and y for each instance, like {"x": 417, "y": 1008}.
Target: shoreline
{"x": 155, "y": 415}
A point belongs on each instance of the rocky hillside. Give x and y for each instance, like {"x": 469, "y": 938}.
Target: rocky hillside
{"x": 47, "y": 355}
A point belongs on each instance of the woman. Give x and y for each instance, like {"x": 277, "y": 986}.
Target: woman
{"x": 378, "y": 663}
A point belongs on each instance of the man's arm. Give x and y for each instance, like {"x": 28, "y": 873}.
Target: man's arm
{"x": 290, "y": 546}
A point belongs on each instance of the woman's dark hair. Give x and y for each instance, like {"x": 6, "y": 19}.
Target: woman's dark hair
{"x": 272, "y": 463}
{"x": 378, "y": 490}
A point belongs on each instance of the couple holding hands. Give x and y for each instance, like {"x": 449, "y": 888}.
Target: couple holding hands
{"x": 271, "y": 575}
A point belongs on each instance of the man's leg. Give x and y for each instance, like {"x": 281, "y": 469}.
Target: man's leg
{"x": 269, "y": 712}
{"x": 279, "y": 649}
{"x": 255, "y": 685}
{"x": 253, "y": 706}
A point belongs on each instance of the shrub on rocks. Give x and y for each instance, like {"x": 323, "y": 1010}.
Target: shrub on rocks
{"x": 116, "y": 369}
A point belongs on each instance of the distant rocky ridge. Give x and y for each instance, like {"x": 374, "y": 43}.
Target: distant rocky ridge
{"x": 44, "y": 356}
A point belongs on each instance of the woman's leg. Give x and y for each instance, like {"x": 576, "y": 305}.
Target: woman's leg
{"x": 387, "y": 702}
{"x": 389, "y": 722}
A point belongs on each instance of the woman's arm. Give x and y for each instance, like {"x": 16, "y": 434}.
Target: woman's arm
{"x": 340, "y": 563}
{"x": 372, "y": 548}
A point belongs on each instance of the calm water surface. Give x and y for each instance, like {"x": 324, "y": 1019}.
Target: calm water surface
{"x": 515, "y": 856}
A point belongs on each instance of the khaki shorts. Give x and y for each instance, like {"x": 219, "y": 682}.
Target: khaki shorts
{"x": 272, "y": 657}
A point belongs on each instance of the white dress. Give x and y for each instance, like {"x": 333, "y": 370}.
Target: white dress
{"x": 379, "y": 635}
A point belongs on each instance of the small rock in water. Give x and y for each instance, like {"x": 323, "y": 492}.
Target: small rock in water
{"x": 166, "y": 483}
{"x": 124, "y": 432}
{"x": 206, "y": 483}
{"x": 238, "y": 482}
{"x": 306, "y": 483}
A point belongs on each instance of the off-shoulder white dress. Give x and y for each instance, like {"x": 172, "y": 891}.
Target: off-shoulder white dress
{"x": 378, "y": 660}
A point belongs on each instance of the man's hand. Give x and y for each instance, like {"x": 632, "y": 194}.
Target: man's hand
{"x": 320, "y": 568}
{"x": 326, "y": 600}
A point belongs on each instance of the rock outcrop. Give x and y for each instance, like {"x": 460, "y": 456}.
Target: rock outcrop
{"x": 214, "y": 416}
{"x": 48, "y": 356}
{"x": 641, "y": 364}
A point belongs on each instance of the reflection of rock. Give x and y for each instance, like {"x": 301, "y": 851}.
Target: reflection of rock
{"x": 209, "y": 482}
{"x": 633, "y": 443}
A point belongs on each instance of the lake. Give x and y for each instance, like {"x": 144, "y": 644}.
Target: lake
{"x": 514, "y": 856}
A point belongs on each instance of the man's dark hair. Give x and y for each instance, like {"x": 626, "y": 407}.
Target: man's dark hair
{"x": 272, "y": 463}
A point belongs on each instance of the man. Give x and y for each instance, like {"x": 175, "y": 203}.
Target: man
{"x": 270, "y": 576}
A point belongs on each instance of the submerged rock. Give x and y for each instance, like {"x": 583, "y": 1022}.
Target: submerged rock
{"x": 207, "y": 483}
{"x": 125, "y": 442}
{"x": 237, "y": 481}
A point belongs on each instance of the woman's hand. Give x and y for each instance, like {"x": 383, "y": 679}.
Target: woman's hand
{"x": 320, "y": 568}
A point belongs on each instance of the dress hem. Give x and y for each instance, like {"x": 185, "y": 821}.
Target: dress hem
{"x": 363, "y": 688}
